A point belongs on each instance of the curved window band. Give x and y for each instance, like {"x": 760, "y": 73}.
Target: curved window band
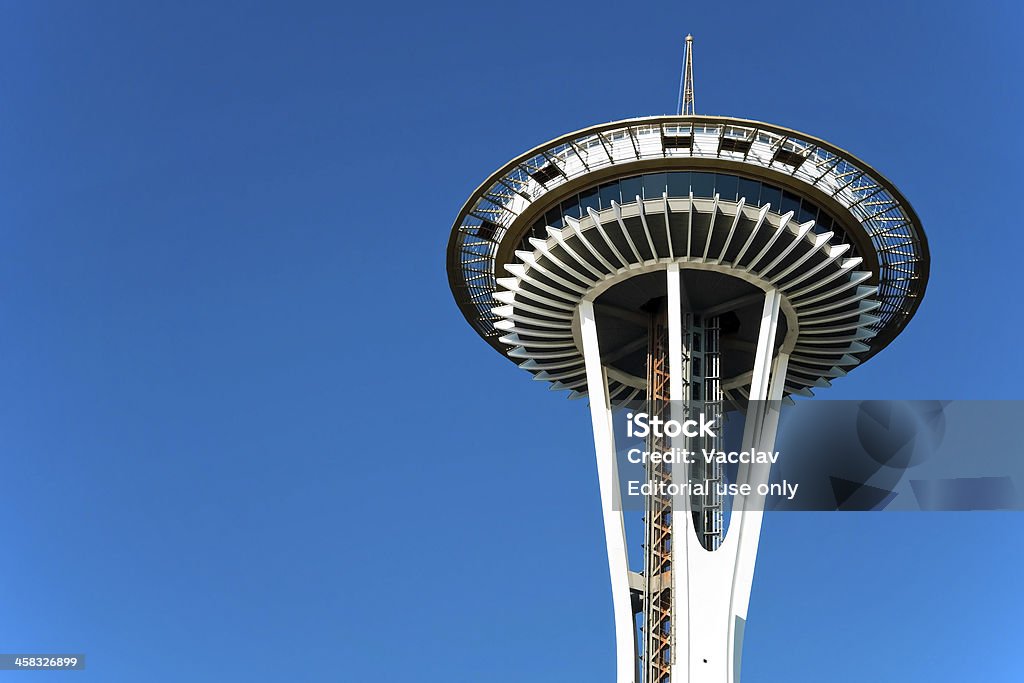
{"x": 680, "y": 184}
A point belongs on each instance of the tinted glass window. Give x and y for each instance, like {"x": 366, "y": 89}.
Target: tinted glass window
{"x": 679, "y": 184}
{"x": 808, "y": 212}
{"x": 553, "y": 218}
{"x": 571, "y": 207}
{"x": 750, "y": 190}
{"x": 771, "y": 195}
{"x": 631, "y": 188}
{"x": 703, "y": 184}
{"x": 609, "y": 193}
{"x": 726, "y": 186}
{"x": 790, "y": 202}
{"x": 589, "y": 200}
{"x": 654, "y": 185}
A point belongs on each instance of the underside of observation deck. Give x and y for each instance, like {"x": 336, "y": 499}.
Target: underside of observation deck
{"x": 729, "y": 255}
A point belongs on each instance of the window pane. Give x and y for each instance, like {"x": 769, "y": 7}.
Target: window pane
{"x": 790, "y": 202}
{"x": 609, "y": 192}
{"x": 553, "y": 218}
{"x": 703, "y": 184}
{"x": 571, "y": 207}
{"x": 726, "y": 186}
{"x": 823, "y": 224}
{"x": 631, "y": 188}
{"x": 589, "y": 200}
{"x": 679, "y": 184}
{"x": 654, "y": 185}
{"x": 808, "y": 211}
{"x": 771, "y": 195}
{"x": 751, "y": 191}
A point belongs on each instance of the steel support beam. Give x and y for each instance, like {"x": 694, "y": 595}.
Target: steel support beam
{"x": 712, "y": 589}
{"x": 614, "y": 527}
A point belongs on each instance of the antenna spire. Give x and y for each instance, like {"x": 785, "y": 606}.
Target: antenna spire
{"x": 686, "y": 80}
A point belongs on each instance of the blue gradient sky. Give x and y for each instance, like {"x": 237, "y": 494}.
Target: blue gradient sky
{"x": 246, "y": 434}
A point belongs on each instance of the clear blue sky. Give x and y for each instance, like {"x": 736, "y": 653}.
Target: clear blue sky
{"x": 246, "y": 434}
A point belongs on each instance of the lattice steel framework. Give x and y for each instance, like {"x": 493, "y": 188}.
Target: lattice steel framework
{"x": 657, "y": 611}
{"x": 686, "y": 81}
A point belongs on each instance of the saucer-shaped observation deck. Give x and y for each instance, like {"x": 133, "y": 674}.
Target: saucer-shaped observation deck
{"x": 741, "y": 206}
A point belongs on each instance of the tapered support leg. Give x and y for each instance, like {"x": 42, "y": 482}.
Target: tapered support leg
{"x": 614, "y": 528}
{"x": 712, "y": 588}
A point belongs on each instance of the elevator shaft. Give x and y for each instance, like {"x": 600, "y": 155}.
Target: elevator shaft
{"x": 657, "y": 649}
{"x": 703, "y": 394}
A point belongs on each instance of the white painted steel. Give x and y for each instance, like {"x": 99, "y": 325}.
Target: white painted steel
{"x": 825, "y": 303}
{"x": 711, "y": 589}
{"x": 614, "y": 527}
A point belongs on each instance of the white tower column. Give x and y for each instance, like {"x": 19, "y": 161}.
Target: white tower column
{"x": 711, "y": 588}
{"x": 614, "y": 527}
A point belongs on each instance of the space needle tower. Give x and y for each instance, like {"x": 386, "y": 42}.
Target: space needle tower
{"x": 688, "y": 264}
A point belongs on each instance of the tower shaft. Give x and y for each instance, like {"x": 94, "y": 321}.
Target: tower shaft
{"x": 695, "y": 587}
{"x": 703, "y": 395}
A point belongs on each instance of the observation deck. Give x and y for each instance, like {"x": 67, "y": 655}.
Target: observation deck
{"x": 622, "y": 198}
